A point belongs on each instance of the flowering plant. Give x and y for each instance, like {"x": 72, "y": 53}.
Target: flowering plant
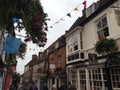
{"x": 105, "y": 46}
{"x": 28, "y": 15}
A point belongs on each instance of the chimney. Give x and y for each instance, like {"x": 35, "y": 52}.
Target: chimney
{"x": 84, "y": 11}
{"x": 40, "y": 55}
{"x": 34, "y": 57}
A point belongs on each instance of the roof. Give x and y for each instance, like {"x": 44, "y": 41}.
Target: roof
{"x": 103, "y": 4}
{"x": 81, "y": 21}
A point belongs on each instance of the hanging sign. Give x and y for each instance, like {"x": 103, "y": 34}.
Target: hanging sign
{"x": 11, "y": 44}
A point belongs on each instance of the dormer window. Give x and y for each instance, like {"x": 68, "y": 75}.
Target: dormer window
{"x": 102, "y": 27}
{"x": 117, "y": 14}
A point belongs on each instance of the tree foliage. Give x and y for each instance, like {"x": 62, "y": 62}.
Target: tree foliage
{"x": 15, "y": 79}
{"x": 28, "y": 14}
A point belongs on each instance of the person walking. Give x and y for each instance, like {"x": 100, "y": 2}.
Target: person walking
{"x": 62, "y": 87}
{"x": 45, "y": 87}
{"x": 12, "y": 87}
{"x": 35, "y": 88}
{"x": 72, "y": 87}
{"x": 54, "y": 87}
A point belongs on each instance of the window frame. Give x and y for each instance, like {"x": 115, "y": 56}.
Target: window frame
{"x": 102, "y": 27}
{"x": 97, "y": 79}
{"x": 117, "y": 15}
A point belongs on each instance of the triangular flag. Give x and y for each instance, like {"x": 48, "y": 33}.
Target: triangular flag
{"x": 51, "y": 27}
{"x": 76, "y": 9}
{"x": 62, "y": 19}
{"x": 57, "y": 22}
{"x": 84, "y": 3}
{"x": 69, "y": 14}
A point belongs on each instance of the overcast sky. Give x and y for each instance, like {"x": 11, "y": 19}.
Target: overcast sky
{"x": 56, "y": 9}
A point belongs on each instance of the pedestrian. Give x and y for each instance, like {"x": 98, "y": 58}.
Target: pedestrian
{"x": 54, "y": 87}
{"x": 62, "y": 87}
{"x": 12, "y": 87}
{"x": 69, "y": 84}
{"x": 45, "y": 87}
{"x": 72, "y": 87}
{"x": 35, "y": 88}
{"x": 30, "y": 88}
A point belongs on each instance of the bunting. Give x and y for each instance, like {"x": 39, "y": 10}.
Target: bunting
{"x": 84, "y": 3}
{"x": 76, "y": 9}
{"x": 69, "y": 14}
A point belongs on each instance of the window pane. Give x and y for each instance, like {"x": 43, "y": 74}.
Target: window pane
{"x": 102, "y": 27}
{"x": 100, "y": 33}
{"x": 75, "y": 46}
{"x": 104, "y": 22}
{"x": 117, "y": 13}
{"x": 106, "y": 32}
{"x": 82, "y": 79}
{"x": 95, "y": 79}
{"x": 99, "y": 25}
{"x": 77, "y": 56}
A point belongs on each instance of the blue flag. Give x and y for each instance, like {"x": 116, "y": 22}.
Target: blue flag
{"x": 15, "y": 20}
{"x": 11, "y": 44}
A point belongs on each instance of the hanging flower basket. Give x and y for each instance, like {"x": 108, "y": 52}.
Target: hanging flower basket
{"x": 28, "y": 15}
{"x": 105, "y": 46}
{"x": 59, "y": 71}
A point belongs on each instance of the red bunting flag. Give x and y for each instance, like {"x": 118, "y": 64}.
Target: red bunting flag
{"x": 84, "y": 3}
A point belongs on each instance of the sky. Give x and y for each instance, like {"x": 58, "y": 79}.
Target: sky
{"x": 60, "y": 22}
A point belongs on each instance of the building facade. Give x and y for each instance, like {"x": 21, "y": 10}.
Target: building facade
{"x": 102, "y": 72}
{"x": 57, "y": 62}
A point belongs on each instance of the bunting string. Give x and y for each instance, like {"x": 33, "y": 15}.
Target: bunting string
{"x": 69, "y": 14}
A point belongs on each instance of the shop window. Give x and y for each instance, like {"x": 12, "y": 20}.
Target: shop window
{"x": 97, "y": 79}
{"x": 102, "y": 27}
{"x": 115, "y": 77}
{"x": 72, "y": 76}
{"x": 82, "y": 76}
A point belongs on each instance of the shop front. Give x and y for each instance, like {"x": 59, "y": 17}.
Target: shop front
{"x": 103, "y": 75}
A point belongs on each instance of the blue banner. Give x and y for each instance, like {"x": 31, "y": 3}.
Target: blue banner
{"x": 11, "y": 44}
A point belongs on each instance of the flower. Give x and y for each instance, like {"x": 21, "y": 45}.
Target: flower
{"x": 30, "y": 12}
